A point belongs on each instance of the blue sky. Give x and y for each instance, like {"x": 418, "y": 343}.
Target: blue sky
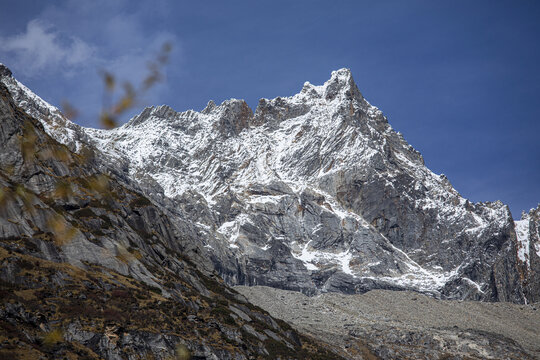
{"x": 459, "y": 79}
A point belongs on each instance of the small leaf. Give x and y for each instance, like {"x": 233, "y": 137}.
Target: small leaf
{"x": 5, "y": 195}
{"x": 55, "y": 152}
{"x": 125, "y": 103}
{"x": 87, "y": 154}
{"x": 63, "y": 231}
{"x": 182, "y": 352}
{"x": 63, "y": 190}
{"x": 53, "y": 337}
{"x": 26, "y": 197}
{"x": 28, "y": 142}
{"x": 109, "y": 80}
{"x": 99, "y": 184}
{"x": 69, "y": 111}
{"x": 107, "y": 121}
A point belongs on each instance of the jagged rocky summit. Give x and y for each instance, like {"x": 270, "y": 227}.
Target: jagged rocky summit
{"x": 314, "y": 192}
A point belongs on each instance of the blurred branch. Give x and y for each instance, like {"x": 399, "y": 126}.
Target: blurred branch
{"x": 113, "y": 110}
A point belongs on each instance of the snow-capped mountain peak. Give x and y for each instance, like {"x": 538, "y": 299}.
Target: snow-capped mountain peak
{"x": 316, "y": 192}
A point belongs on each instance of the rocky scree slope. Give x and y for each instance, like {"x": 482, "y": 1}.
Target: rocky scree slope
{"x": 92, "y": 268}
{"x": 408, "y": 325}
{"x": 315, "y": 192}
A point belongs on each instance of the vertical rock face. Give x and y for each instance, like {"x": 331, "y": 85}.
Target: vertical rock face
{"x": 316, "y": 192}
{"x": 528, "y": 238}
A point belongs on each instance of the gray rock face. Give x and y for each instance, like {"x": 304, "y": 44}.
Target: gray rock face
{"x": 316, "y": 193}
{"x": 4, "y": 71}
{"x": 528, "y": 238}
{"x": 65, "y": 131}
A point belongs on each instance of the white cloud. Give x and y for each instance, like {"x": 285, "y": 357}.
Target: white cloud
{"x": 42, "y": 47}
{"x": 67, "y": 58}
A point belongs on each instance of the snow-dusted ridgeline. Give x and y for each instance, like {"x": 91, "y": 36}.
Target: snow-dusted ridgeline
{"x": 316, "y": 189}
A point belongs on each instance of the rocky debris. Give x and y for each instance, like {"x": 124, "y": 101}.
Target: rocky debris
{"x": 408, "y": 325}
{"x": 90, "y": 267}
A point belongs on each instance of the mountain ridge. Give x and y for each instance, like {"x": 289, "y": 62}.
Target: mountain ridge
{"x": 319, "y": 189}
